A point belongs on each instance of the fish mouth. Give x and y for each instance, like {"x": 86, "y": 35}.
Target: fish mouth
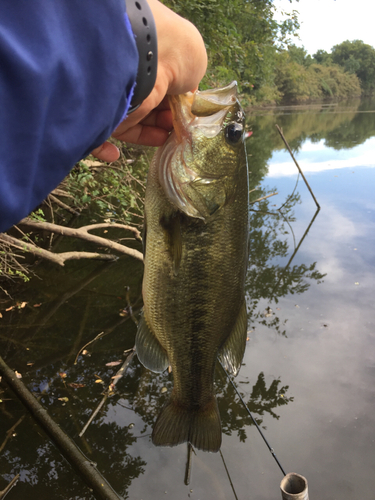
{"x": 205, "y": 110}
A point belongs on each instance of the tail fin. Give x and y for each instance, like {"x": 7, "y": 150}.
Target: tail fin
{"x": 201, "y": 428}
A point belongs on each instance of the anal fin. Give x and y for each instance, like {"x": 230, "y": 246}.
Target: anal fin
{"x": 149, "y": 350}
{"x": 233, "y": 350}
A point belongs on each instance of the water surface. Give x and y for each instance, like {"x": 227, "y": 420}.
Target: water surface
{"x": 308, "y": 374}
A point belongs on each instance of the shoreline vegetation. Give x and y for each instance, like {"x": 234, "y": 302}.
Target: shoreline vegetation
{"x": 244, "y": 43}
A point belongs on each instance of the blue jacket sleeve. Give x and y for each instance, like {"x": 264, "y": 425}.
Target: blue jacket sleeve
{"x": 67, "y": 73}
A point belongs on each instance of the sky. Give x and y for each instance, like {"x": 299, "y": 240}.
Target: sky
{"x": 325, "y": 23}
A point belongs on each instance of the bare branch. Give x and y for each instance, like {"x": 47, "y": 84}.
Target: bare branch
{"x": 57, "y": 258}
{"x": 263, "y": 198}
{"x": 110, "y": 389}
{"x": 62, "y": 204}
{"x": 67, "y": 447}
{"x": 299, "y": 168}
{"x": 83, "y": 233}
{"x": 61, "y": 192}
{"x": 10, "y": 432}
{"x": 6, "y": 490}
{"x": 101, "y": 334}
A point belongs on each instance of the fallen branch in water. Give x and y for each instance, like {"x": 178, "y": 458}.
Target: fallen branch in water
{"x": 99, "y": 336}
{"x": 10, "y": 432}
{"x": 57, "y": 258}
{"x": 86, "y": 469}
{"x": 6, "y": 490}
{"x": 299, "y": 168}
{"x": 110, "y": 390}
{"x": 83, "y": 234}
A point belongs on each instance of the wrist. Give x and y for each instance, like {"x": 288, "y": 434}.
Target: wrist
{"x": 144, "y": 30}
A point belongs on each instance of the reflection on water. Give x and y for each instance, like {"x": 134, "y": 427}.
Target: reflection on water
{"x": 308, "y": 372}
{"x": 336, "y": 126}
{"x": 50, "y": 322}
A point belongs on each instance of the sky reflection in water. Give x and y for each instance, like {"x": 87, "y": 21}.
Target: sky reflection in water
{"x": 328, "y": 355}
{"x": 316, "y": 157}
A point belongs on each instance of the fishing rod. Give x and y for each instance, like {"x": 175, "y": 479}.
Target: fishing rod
{"x": 252, "y": 418}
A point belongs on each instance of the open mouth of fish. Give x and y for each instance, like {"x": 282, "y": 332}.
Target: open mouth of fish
{"x": 205, "y": 110}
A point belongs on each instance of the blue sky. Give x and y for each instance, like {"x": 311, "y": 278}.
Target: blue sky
{"x": 325, "y": 23}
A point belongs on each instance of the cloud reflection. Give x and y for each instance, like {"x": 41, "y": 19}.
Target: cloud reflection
{"x": 316, "y": 157}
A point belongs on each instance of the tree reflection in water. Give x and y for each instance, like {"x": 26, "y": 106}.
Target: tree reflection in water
{"x": 76, "y": 304}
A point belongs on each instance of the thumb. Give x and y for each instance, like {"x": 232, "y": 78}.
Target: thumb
{"x": 106, "y": 152}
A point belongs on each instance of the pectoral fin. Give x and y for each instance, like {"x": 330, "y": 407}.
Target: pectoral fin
{"x": 232, "y": 352}
{"x": 149, "y": 350}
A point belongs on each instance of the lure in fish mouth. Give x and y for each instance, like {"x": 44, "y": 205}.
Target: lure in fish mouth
{"x": 195, "y": 242}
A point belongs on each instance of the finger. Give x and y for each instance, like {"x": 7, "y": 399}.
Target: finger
{"x": 106, "y": 152}
{"x": 148, "y": 110}
{"x": 145, "y": 135}
{"x": 152, "y": 131}
{"x": 160, "y": 119}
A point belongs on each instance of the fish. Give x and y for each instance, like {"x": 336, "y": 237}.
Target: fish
{"x": 195, "y": 260}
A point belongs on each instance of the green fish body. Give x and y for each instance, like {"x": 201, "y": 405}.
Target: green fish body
{"x": 196, "y": 247}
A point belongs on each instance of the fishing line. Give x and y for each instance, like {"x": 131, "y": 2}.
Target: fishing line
{"x": 227, "y": 471}
{"x": 252, "y": 418}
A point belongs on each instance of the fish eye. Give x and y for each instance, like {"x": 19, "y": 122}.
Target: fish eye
{"x": 233, "y": 133}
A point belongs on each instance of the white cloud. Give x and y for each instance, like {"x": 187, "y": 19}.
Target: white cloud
{"x": 325, "y": 23}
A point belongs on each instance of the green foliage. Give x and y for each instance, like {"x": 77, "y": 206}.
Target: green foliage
{"x": 351, "y": 65}
{"x": 359, "y": 58}
{"x": 292, "y": 79}
{"x": 323, "y": 57}
{"x": 10, "y": 267}
{"x": 300, "y": 55}
{"x": 241, "y": 38}
{"x": 304, "y": 81}
{"x": 114, "y": 192}
{"x": 245, "y": 43}
{"x": 38, "y": 215}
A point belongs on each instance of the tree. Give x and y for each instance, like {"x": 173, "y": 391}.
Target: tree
{"x": 323, "y": 57}
{"x": 241, "y": 38}
{"x": 300, "y": 55}
{"x": 359, "y": 58}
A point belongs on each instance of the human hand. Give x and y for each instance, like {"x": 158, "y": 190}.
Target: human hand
{"x": 182, "y": 63}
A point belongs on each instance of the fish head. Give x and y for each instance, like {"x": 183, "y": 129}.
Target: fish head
{"x": 201, "y": 162}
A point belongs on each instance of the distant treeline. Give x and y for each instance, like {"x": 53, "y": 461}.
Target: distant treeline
{"x": 245, "y": 43}
{"x": 300, "y": 77}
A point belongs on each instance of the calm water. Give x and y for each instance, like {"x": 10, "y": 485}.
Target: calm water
{"x": 309, "y": 370}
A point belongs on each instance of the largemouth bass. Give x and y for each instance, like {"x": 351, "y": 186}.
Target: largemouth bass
{"x": 196, "y": 247}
